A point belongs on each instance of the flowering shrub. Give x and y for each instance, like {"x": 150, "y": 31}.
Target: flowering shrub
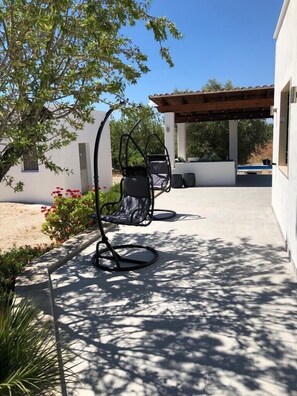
{"x": 71, "y": 212}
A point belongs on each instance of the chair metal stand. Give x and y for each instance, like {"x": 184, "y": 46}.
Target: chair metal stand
{"x": 123, "y": 257}
{"x": 123, "y": 262}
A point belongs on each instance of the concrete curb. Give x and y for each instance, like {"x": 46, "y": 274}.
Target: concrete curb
{"x": 36, "y": 285}
{"x": 35, "y": 282}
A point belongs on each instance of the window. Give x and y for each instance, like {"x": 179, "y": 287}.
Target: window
{"x": 284, "y": 129}
{"x": 30, "y": 162}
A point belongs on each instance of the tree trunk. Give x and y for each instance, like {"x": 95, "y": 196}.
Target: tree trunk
{"x": 9, "y": 158}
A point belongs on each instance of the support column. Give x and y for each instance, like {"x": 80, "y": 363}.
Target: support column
{"x": 233, "y": 140}
{"x": 169, "y": 136}
{"x": 181, "y": 141}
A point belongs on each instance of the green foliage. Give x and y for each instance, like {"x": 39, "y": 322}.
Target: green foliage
{"x": 252, "y": 135}
{"x": 214, "y": 85}
{"x": 13, "y": 262}
{"x": 28, "y": 356}
{"x": 151, "y": 122}
{"x": 59, "y": 58}
{"x": 207, "y": 138}
{"x": 71, "y": 212}
{"x": 112, "y": 195}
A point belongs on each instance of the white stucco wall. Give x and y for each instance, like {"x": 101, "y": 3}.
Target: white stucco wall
{"x": 39, "y": 185}
{"x": 169, "y": 136}
{"x": 284, "y": 191}
{"x": 216, "y": 173}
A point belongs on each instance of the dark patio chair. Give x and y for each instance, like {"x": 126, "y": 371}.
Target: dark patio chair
{"x": 134, "y": 207}
{"x": 135, "y": 204}
{"x": 160, "y": 169}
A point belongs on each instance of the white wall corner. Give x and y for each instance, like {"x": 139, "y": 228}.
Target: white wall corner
{"x": 169, "y": 135}
{"x": 181, "y": 140}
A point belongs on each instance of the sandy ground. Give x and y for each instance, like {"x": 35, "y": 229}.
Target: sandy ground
{"x": 21, "y": 225}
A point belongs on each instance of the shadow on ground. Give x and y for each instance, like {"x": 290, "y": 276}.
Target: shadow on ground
{"x": 209, "y": 318}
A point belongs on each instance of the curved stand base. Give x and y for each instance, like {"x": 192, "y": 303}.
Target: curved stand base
{"x": 124, "y": 262}
{"x": 164, "y": 215}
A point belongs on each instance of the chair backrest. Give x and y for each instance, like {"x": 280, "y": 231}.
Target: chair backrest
{"x": 160, "y": 169}
{"x": 137, "y": 199}
{"x": 136, "y": 204}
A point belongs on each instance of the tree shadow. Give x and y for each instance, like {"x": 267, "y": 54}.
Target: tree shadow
{"x": 210, "y": 317}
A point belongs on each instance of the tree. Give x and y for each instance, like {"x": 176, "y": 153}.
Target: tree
{"x": 59, "y": 58}
{"x": 252, "y": 135}
{"x": 206, "y": 139}
{"x": 151, "y": 122}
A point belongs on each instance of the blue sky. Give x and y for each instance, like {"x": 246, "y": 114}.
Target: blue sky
{"x": 223, "y": 39}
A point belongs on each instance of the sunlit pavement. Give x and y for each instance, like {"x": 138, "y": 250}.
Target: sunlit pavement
{"x": 215, "y": 315}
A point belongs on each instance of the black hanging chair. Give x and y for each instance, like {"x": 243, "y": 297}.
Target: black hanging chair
{"x": 160, "y": 170}
{"x": 134, "y": 207}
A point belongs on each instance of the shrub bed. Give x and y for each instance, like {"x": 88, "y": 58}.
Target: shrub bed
{"x": 73, "y": 212}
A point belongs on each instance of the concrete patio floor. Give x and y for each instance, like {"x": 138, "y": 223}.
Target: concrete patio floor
{"x": 215, "y": 315}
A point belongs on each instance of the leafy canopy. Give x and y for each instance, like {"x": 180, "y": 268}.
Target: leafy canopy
{"x": 59, "y": 58}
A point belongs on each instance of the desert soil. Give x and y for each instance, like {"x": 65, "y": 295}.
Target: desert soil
{"x": 21, "y": 225}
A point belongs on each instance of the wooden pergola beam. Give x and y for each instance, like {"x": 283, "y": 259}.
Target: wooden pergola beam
{"x": 216, "y": 106}
{"x": 260, "y": 114}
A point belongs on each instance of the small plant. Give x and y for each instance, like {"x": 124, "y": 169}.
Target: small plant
{"x": 13, "y": 262}
{"x": 28, "y": 356}
{"x": 72, "y": 212}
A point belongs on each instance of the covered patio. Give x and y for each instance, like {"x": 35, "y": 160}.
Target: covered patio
{"x": 231, "y": 105}
{"x": 215, "y": 315}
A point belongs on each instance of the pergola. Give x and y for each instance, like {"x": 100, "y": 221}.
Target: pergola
{"x": 232, "y": 105}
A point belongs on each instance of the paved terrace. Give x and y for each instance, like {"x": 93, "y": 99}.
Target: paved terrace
{"x": 215, "y": 315}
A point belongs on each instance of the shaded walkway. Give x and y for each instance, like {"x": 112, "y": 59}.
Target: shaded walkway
{"x": 216, "y": 315}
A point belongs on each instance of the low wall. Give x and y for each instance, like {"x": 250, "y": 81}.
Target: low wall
{"x": 212, "y": 173}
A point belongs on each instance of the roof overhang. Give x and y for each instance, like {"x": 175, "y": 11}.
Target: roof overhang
{"x": 235, "y": 104}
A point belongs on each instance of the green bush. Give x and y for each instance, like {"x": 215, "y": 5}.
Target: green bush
{"x": 13, "y": 261}
{"x": 111, "y": 195}
{"x": 71, "y": 212}
{"x": 28, "y": 356}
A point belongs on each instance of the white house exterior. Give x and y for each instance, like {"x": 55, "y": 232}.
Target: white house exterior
{"x": 284, "y": 191}
{"x": 78, "y": 156}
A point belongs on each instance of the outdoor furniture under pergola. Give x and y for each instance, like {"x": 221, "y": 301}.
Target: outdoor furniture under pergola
{"x": 230, "y": 105}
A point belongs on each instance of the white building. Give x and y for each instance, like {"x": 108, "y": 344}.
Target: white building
{"x": 78, "y": 156}
{"x": 284, "y": 190}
